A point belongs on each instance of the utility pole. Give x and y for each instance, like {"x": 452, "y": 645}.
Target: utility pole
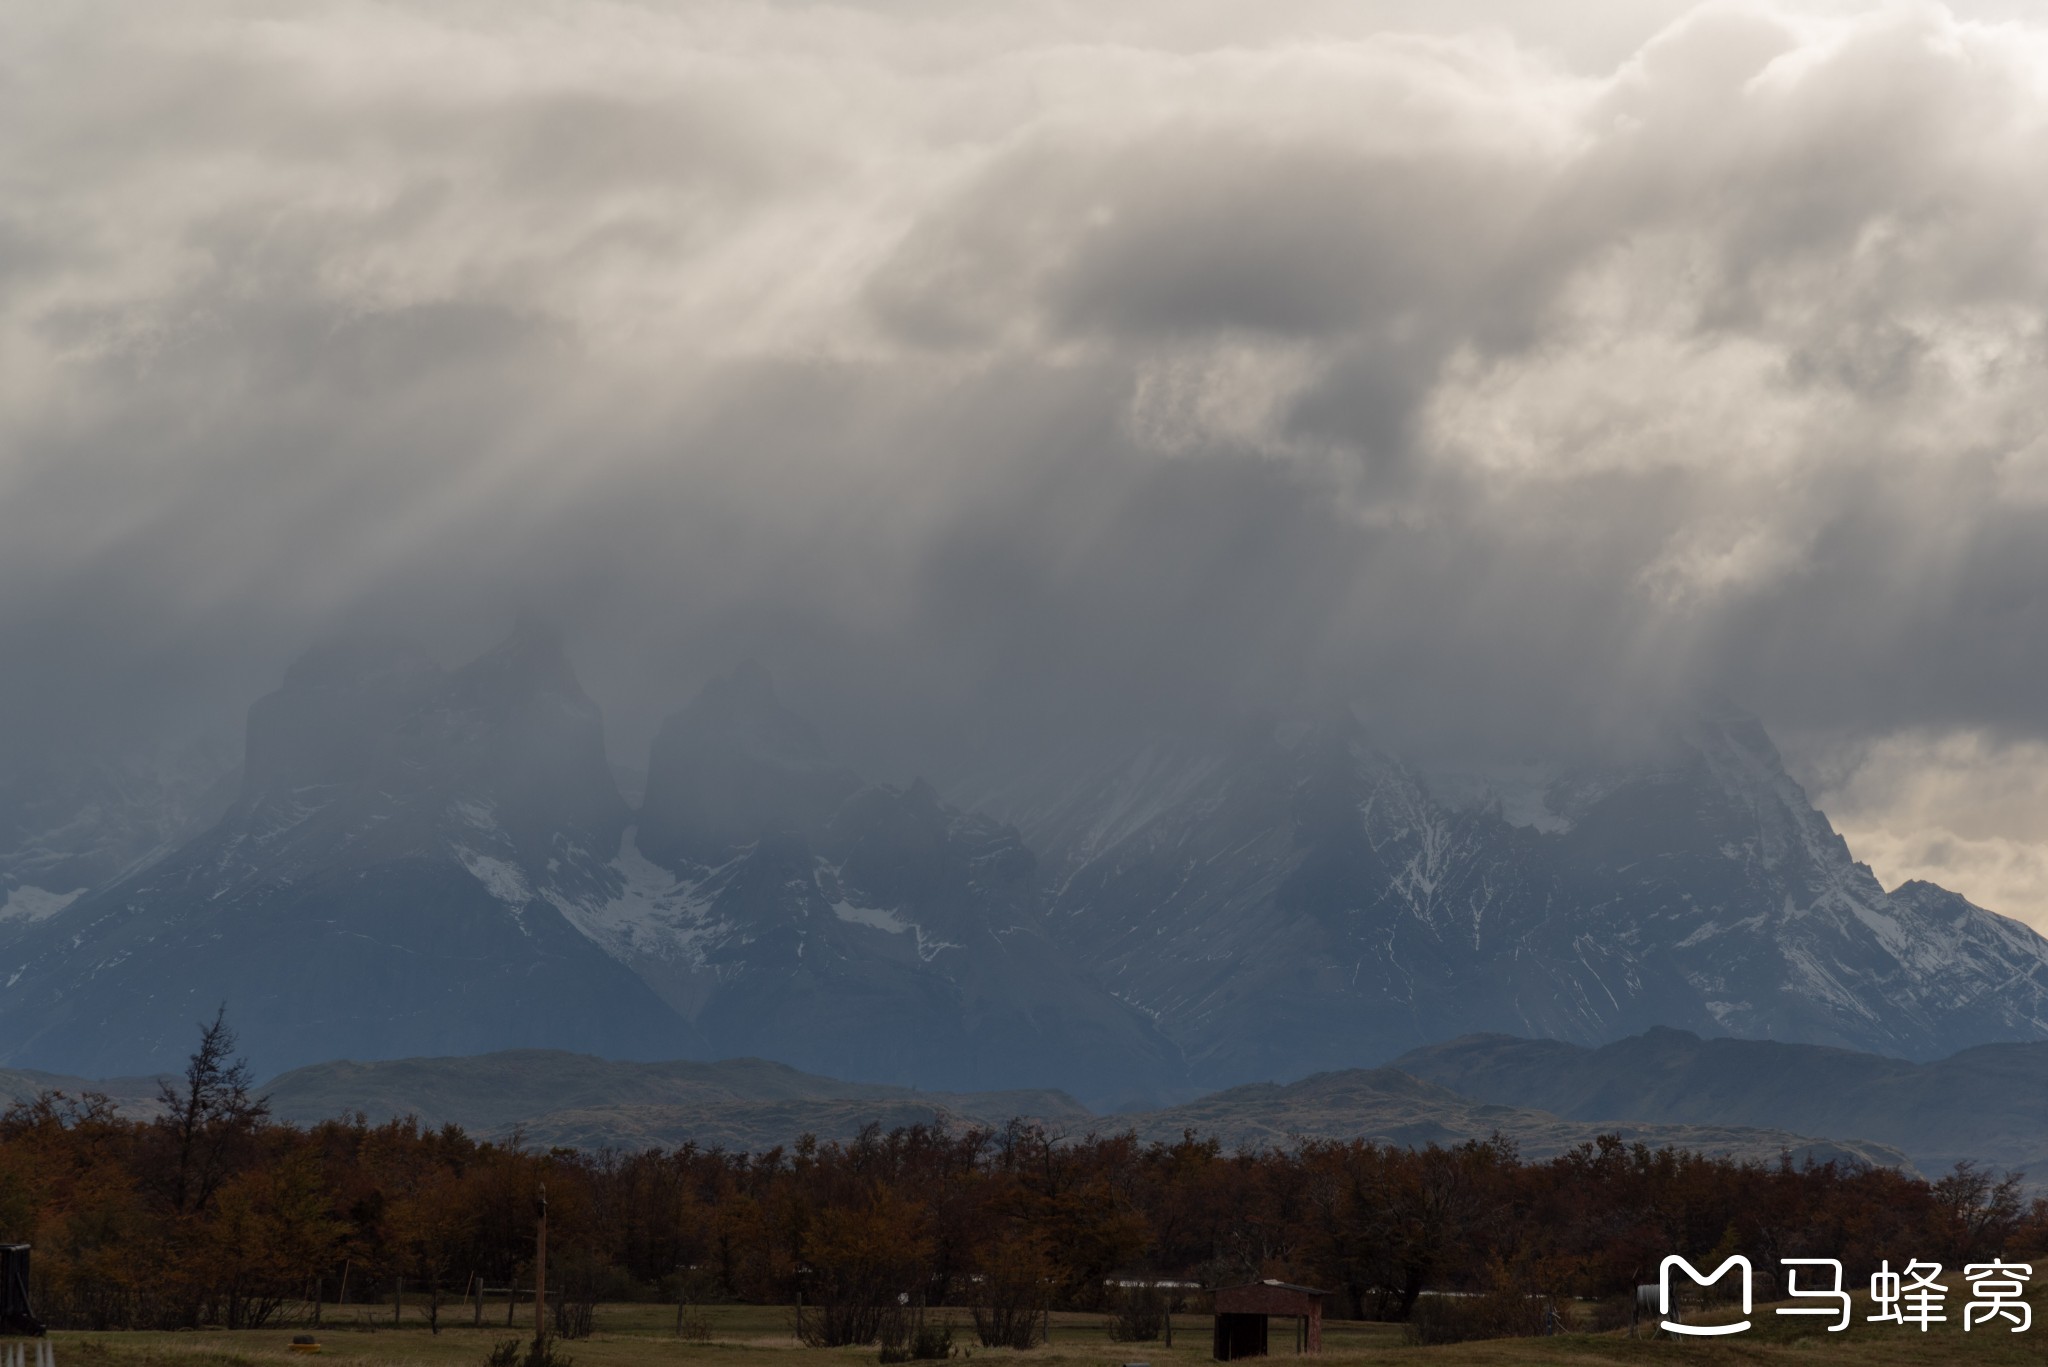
{"x": 540, "y": 1270}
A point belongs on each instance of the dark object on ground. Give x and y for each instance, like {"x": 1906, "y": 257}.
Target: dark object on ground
{"x": 15, "y": 1315}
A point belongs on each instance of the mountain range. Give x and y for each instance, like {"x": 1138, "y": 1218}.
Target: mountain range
{"x": 419, "y": 861}
{"x": 548, "y": 1098}
{"x": 1987, "y": 1104}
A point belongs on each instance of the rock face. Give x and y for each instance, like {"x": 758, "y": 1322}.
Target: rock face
{"x": 865, "y": 932}
{"x": 1309, "y": 902}
{"x": 77, "y": 817}
{"x": 384, "y": 884}
{"x": 425, "y": 861}
{"x": 732, "y": 766}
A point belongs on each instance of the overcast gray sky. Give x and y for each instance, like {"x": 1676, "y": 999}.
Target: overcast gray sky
{"x": 1506, "y": 368}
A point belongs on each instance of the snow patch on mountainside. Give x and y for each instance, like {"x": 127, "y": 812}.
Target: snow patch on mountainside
{"x": 481, "y": 816}
{"x": 501, "y": 879}
{"x": 879, "y": 919}
{"x": 652, "y": 914}
{"x": 36, "y": 904}
{"x": 929, "y": 949}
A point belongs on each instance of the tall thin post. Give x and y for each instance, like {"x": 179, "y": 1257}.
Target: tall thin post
{"x": 682, "y": 1293}
{"x": 540, "y": 1270}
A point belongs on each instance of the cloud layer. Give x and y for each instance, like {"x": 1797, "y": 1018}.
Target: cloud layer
{"x": 1508, "y": 372}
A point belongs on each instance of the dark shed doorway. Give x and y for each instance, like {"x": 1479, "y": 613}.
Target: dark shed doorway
{"x": 15, "y": 1315}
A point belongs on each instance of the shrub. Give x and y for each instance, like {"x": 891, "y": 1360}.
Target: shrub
{"x": 1015, "y": 1282}
{"x": 540, "y": 1353}
{"x": 859, "y": 1255}
{"x": 918, "y": 1340}
{"x": 932, "y": 1341}
{"x": 893, "y": 1332}
{"x": 1137, "y": 1315}
{"x": 575, "y": 1316}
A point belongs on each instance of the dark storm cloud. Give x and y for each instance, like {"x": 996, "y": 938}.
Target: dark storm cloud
{"x": 1505, "y": 371}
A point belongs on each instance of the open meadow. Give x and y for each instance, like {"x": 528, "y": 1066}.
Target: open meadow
{"x": 642, "y": 1335}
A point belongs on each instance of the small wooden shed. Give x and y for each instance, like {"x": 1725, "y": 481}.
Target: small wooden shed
{"x": 1244, "y": 1314}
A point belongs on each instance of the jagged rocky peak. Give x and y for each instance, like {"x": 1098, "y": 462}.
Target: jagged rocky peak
{"x": 1713, "y": 781}
{"x": 338, "y": 703}
{"x": 1930, "y": 897}
{"x": 733, "y": 766}
{"x": 1714, "y": 751}
{"x": 901, "y": 845}
{"x": 516, "y": 724}
{"x": 529, "y": 668}
{"x": 910, "y": 818}
{"x": 741, "y": 714}
{"x": 391, "y": 883}
{"x": 511, "y": 732}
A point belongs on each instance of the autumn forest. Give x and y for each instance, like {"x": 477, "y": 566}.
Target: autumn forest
{"x": 210, "y": 1214}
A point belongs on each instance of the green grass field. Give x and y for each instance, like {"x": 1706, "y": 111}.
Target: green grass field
{"x": 762, "y": 1336}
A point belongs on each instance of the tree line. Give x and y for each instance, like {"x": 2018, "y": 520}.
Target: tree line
{"x": 213, "y": 1214}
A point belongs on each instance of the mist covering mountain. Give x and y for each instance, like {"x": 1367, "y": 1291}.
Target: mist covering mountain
{"x": 74, "y": 819}
{"x": 423, "y": 861}
{"x": 1300, "y": 901}
{"x": 373, "y": 887}
{"x": 1005, "y": 376}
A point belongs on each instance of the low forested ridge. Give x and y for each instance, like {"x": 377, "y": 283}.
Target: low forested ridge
{"x": 210, "y": 1213}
